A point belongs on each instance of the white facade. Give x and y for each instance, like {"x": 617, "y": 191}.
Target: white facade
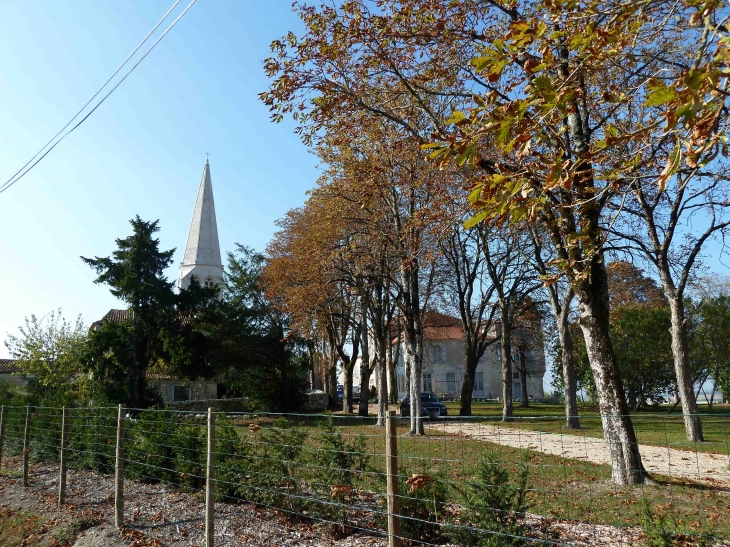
{"x": 202, "y": 259}
{"x": 444, "y": 366}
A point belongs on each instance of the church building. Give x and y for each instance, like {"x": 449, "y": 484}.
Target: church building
{"x": 202, "y": 262}
{"x": 202, "y": 259}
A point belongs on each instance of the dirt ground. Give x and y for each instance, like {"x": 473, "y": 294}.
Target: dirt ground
{"x": 159, "y": 516}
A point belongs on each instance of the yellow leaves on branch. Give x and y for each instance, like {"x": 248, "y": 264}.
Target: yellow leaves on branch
{"x": 418, "y": 481}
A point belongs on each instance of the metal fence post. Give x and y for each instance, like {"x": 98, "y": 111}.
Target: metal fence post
{"x": 210, "y": 481}
{"x": 26, "y": 446}
{"x": 63, "y": 465}
{"x": 2, "y": 433}
{"x": 119, "y": 470}
{"x": 391, "y": 463}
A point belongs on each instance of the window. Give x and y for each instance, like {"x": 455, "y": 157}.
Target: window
{"x": 436, "y": 353}
{"x": 450, "y": 382}
{"x": 209, "y": 282}
{"x": 180, "y": 393}
{"x": 401, "y": 383}
{"x": 427, "y": 386}
{"x": 479, "y": 381}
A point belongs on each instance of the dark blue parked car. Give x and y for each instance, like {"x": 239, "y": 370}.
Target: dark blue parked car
{"x": 429, "y": 401}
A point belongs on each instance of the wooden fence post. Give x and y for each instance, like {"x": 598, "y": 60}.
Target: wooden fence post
{"x": 119, "y": 470}
{"x": 210, "y": 481}
{"x": 26, "y": 446}
{"x": 391, "y": 463}
{"x": 63, "y": 465}
{"x": 2, "y": 433}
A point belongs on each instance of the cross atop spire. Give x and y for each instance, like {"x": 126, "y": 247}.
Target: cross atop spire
{"x": 203, "y": 247}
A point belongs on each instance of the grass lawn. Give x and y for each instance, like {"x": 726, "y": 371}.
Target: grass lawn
{"x": 654, "y": 427}
{"x": 21, "y": 528}
{"x": 558, "y": 487}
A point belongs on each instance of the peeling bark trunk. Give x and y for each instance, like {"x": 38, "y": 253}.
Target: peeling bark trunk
{"x": 347, "y": 389}
{"x": 414, "y": 356}
{"x": 506, "y": 338}
{"x": 592, "y": 295}
{"x": 570, "y": 382}
{"x": 692, "y": 423}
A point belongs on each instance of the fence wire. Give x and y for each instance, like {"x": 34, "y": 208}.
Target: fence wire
{"x": 466, "y": 481}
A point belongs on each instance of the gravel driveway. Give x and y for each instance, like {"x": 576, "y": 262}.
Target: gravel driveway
{"x": 711, "y": 469}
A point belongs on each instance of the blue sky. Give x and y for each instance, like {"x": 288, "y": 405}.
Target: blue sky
{"x": 143, "y": 150}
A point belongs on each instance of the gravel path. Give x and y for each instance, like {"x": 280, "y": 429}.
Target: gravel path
{"x": 711, "y": 469}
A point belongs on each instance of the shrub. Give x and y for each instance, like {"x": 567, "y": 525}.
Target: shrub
{"x": 422, "y": 498}
{"x": 92, "y": 438}
{"x": 336, "y": 461}
{"x": 493, "y": 506}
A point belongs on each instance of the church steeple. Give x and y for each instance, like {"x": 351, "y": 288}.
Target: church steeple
{"x": 202, "y": 257}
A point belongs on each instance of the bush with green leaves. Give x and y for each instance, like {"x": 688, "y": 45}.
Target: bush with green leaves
{"x": 260, "y": 467}
{"x": 150, "y": 449}
{"x": 494, "y": 504}
{"x": 92, "y": 438}
{"x": 336, "y": 462}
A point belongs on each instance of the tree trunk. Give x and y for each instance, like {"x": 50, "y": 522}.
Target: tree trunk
{"x": 392, "y": 377}
{"x": 570, "y": 382}
{"x": 365, "y": 369}
{"x": 523, "y": 380}
{"x": 414, "y": 356}
{"x": 680, "y": 352}
{"x": 365, "y": 372}
{"x": 467, "y": 388}
{"x": 382, "y": 381}
{"x": 506, "y": 338}
{"x": 413, "y": 336}
{"x": 347, "y": 388}
{"x": 592, "y": 295}
{"x": 332, "y": 384}
{"x": 712, "y": 395}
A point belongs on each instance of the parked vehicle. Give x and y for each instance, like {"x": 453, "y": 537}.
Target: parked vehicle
{"x": 429, "y": 401}
{"x": 341, "y": 393}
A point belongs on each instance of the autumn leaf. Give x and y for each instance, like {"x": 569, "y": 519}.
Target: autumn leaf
{"x": 673, "y": 162}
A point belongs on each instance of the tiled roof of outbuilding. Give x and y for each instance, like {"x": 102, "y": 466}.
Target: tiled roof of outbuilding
{"x": 9, "y": 366}
{"x": 117, "y": 316}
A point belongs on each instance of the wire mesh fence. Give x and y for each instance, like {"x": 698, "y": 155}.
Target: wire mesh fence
{"x": 466, "y": 481}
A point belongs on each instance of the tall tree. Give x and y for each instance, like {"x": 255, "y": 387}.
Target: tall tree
{"x": 135, "y": 273}
{"x": 560, "y": 295}
{"x": 468, "y": 288}
{"x": 660, "y": 224}
{"x": 251, "y": 337}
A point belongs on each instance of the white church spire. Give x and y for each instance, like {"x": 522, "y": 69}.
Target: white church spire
{"x": 202, "y": 257}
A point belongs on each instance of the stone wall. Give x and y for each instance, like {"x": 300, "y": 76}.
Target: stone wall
{"x": 18, "y": 380}
{"x": 200, "y": 390}
{"x": 218, "y": 405}
{"x": 315, "y": 400}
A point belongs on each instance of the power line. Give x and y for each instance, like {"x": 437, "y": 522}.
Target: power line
{"x": 26, "y": 169}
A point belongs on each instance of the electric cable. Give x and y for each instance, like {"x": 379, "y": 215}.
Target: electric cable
{"x": 25, "y": 169}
